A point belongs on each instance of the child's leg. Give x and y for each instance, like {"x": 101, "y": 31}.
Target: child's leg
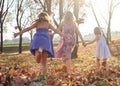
{"x": 68, "y": 64}
{"x": 98, "y": 64}
{"x": 104, "y": 63}
{"x": 38, "y": 56}
{"x": 44, "y": 62}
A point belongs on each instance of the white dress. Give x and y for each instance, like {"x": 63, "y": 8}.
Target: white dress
{"x": 102, "y": 50}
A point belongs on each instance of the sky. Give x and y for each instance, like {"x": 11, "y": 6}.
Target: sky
{"x": 89, "y": 22}
{"x": 100, "y": 6}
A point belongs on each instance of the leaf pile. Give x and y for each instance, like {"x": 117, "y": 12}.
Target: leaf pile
{"x": 22, "y": 70}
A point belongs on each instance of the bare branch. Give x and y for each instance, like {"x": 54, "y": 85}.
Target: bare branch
{"x": 42, "y": 4}
{"x": 115, "y": 6}
{"x": 94, "y": 15}
{"x": 8, "y": 6}
{"x": 19, "y": 5}
{"x": 25, "y": 23}
{"x": 21, "y": 17}
{"x": 2, "y": 7}
{"x": 103, "y": 17}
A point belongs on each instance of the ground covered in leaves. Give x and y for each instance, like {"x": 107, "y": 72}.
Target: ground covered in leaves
{"x": 22, "y": 70}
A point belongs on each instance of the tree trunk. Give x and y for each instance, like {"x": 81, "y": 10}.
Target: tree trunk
{"x": 1, "y": 38}
{"x": 48, "y": 5}
{"x": 108, "y": 29}
{"x": 4, "y": 6}
{"x": 20, "y": 44}
{"x": 31, "y": 33}
{"x": 61, "y": 9}
{"x": 76, "y": 11}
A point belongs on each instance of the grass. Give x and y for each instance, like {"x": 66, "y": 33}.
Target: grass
{"x": 14, "y": 48}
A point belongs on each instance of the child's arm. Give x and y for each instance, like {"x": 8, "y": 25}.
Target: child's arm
{"x": 56, "y": 30}
{"x": 91, "y": 42}
{"x": 96, "y": 39}
{"x": 60, "y": 27}
{"x": 25, "y": 30}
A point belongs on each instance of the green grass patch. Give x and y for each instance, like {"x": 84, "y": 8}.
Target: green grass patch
{"x": 14, "y": 48}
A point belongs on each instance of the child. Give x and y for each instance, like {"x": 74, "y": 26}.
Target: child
{"x": 65, "y": 47}
{"x": 41, "y": 45}
{"x": 102, "y": 50}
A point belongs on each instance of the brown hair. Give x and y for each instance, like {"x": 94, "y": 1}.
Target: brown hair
{"x": 97, "y": 30}
{"x": 43, "y": 17}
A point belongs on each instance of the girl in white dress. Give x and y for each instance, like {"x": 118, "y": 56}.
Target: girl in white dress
{"x": 102, "y": 49}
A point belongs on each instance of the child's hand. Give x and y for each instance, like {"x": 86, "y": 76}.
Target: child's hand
{"x": 80, "y": 20}
{"x": 52, "y": 14}
{"x": 84, "y": 44}
{"x": 77, "y": 44}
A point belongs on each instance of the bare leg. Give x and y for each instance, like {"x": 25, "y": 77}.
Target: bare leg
{"x": 68, "y": 64}
{"x": 38, "y": 56}
{"x": 98, "y": 64}
{"x": 105, "y": 65}
{"x": 44, "y": 62}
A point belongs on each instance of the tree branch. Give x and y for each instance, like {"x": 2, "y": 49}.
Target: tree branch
{"x": 42, "y": 4}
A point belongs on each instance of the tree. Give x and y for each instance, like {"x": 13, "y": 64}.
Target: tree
{"x": 112, "y": 5}
{"x": 77, "y": 5}
{"x": 4, "y": 7}
{"x": 61, "y": 9}
{"x": 32, "y": 13}
{"x": 76, "y": 12}
{"x": 21, "y": 19}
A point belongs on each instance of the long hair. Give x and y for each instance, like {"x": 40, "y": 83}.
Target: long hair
{"x": 43, "y": 17}
{"x": 68, "y": 17}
